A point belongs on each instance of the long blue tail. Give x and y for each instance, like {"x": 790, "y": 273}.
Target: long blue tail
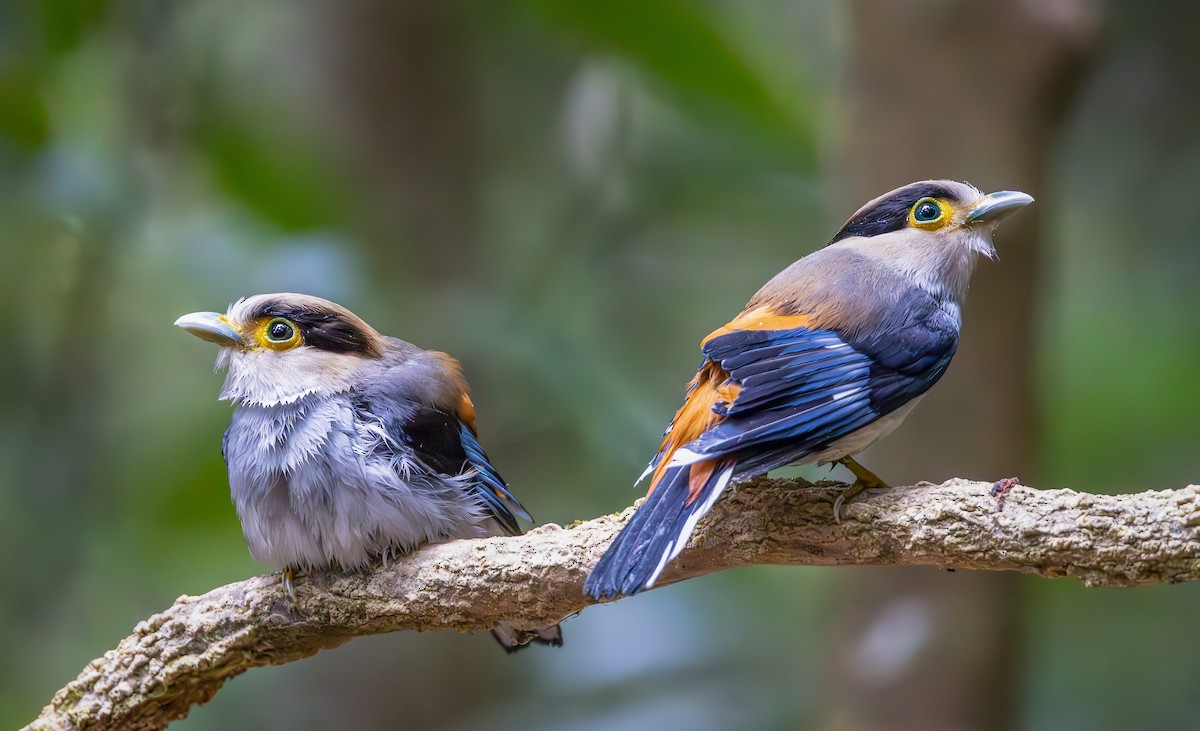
{"x": 656, "y": 534}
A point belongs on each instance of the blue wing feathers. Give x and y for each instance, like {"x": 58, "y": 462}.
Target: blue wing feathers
{"x": 801, "y": 390}
{"x": 736, "y": 349}
{"x": 808, "y": 427}
{"x": 490, "y": 486}
{"x": 813, "y": 387}
{"x": 787, "y": 365}
{"x": 790, "y": 394}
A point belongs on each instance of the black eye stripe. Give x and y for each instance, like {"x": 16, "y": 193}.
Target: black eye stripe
{"x": 891, "y": 213}
{"x": 320, "y": 328}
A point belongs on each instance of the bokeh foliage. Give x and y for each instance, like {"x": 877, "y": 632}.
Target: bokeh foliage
{"x": 566, "y": 196}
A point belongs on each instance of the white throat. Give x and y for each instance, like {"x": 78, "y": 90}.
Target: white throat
{"x": 270, "y": 378}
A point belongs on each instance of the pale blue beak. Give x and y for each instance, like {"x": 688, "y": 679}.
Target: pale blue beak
{"x": 210, "y": 326}
{"x": 995, "y": 206}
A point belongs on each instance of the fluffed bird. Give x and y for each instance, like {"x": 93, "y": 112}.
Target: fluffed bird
{"x": 348, "y": 446}
{"x": 827, "y": 357}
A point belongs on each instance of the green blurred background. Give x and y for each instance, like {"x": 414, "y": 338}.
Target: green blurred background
{"x": 567, "y": 196}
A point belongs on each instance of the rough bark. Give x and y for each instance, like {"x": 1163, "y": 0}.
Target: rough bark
{"x": 181, "y": 657}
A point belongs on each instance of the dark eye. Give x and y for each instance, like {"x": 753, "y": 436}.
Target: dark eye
{"x": 926, "y": 211}
{"x": 280, "y": 330}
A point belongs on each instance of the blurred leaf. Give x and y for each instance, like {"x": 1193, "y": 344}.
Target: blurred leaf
{"x": 65, "y": 21}
{"x": 681, "y": 45}
{"x": 23, "y": 119}
{"x": 281, "y": 175}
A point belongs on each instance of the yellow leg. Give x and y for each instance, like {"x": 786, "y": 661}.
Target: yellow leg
{"x": 864, "y": 479}
{"x": 288, "y": 575}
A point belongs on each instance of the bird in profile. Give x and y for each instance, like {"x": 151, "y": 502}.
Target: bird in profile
{"x": 827, "y": 357}
{"x": 347, "y": 446}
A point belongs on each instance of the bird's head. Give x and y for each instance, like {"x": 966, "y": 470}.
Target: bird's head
{"x": 280, "y": 348}
{"x": 934, "y": 230}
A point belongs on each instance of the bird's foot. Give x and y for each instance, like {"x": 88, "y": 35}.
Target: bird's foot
{"x": 289, "y": 574}
{"x": 864, "y": 479}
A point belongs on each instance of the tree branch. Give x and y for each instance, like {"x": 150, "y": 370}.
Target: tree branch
{"x": 182, "y": 656}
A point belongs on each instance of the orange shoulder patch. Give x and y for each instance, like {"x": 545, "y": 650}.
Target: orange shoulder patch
{"x": 466, "y": 412}
{"x": 760, "y": 318}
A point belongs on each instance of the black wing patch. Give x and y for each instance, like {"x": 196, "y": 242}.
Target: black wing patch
{"x": 443, "y": 444}
{"x": 436, "y": 438}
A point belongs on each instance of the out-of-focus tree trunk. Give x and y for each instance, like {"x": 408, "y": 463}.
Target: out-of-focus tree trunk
{"x": 400, "y": 77}
{"x": 402, "y": 80}
{"x": 972, "y": 91}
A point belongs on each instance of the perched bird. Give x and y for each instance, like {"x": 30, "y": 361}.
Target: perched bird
{"x": 348, "y": 446}
{"x": 827, "y": 357}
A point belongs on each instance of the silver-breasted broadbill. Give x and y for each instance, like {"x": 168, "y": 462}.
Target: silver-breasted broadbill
{"x": 827, "y": 357}
{"x": 347, "y": 446}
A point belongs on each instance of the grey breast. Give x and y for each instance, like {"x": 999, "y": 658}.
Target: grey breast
{"x": 313, "y": 488}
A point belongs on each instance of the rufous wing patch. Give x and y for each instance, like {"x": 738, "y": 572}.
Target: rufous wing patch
{"x": 710, "y": 387}
{"x": 466, "y": 412}
{"x": 454, "y": 392}
{"x": 698, "y": 474}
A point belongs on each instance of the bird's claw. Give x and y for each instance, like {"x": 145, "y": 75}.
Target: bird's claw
{"x": 845, "y": 495}
{"x": 865, "y": 479}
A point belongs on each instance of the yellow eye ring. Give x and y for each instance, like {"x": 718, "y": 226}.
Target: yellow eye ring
{"x": 278, "y": 334}
{"x": 929, "y": 214}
